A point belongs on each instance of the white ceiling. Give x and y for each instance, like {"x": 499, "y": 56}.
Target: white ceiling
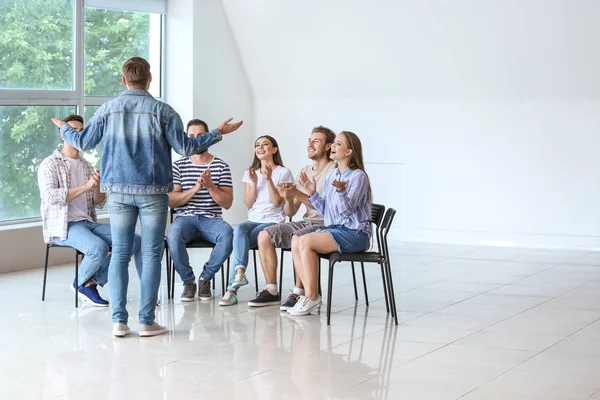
{"x": 419, "y": 49}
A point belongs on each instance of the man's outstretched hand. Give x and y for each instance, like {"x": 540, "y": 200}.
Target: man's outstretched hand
{"x": 226, "y": 127}
{"x": 59, "y": 122}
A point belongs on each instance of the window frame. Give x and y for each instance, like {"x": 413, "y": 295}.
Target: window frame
{"x": 76, "y": 96}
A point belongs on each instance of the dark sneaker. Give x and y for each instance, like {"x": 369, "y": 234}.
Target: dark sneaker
{"x": 265, "y": 299}
{"x": 189, "y": 291}
{"x": 204, "y": 289}
{"x": 90, "y": 295}
{"x": 290, "y": 302}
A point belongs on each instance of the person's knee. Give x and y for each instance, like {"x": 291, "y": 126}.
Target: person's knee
{"x": 264, "y": 240}
{"x": 99, "y": 251}
{"x": 225, "y": 235}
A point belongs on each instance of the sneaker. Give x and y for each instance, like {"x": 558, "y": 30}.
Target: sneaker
{"x": 265, "y": 299}
{"x": 240, "y": 280}
{"x": 152, "y": 330}
{"x": 90, "y": 295}
{"x": 204, "y": 289}
{"x": 120, "y": 329}
{"x": 290, "y": 302}
{"x": 229, "y": 299}
{"x": 305, "y": 306}
{"x": 189, "y": 291}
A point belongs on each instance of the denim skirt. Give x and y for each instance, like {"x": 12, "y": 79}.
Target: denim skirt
{"x": 348, "y": 240}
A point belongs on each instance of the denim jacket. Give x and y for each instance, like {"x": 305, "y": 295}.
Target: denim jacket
{"x": 139, "y": 132}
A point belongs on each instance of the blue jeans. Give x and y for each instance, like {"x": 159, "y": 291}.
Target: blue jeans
{"x": 124, "y": 210}
{"x": 185, "y": 229}
{"x": 93, "y": 240}
{"x": 245, "y": 237}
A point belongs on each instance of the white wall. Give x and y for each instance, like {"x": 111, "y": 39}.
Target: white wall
{"x": 205, "y": 78}
{"x": 488, "y": 111}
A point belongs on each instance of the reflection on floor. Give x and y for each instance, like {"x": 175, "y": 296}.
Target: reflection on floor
{"x": 475, "y": 323}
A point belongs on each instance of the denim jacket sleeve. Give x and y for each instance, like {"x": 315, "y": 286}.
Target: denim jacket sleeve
{"x": 86, "y": 139}
{"x": 187, "y": 146}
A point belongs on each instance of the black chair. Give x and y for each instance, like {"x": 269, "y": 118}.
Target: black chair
{"x": 195, "y": 244}
{"x": 77, "y": 254}
{"x": 381, "y": 257}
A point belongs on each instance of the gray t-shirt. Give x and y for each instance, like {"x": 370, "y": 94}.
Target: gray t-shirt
{"x": 78, "y": 207}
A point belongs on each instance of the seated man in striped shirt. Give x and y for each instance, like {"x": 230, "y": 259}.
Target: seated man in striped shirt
{"x": 202, "y": 188}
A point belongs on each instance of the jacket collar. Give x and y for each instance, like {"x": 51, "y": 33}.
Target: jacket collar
{"x": 136, "y": 92}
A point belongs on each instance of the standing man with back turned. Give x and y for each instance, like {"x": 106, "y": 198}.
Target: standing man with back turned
{"x": 139, "y": 132}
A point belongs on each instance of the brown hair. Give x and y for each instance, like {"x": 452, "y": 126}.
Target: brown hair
{"x": 196, "y": 122}
{"x": 276, "y": 157}
{"x": 356, "y": 158}
{"x": 136, "y": 71}
{"x": 74, "y": 117}
{"x": 329, "y": 136}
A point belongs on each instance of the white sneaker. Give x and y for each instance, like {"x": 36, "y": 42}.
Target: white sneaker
{"x": 239, "y": 281}
{"x": 120, "y": 329}
{"x": 229, "y": 299}
{"x": 305, "y": 306}
{"x": 152, "y": 330}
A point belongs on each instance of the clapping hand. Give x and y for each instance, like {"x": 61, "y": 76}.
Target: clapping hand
{"x": 252, "y": 175}
{"x": 339, "y": 185}
{"x": 206, "y": 179}
{"x": 225, "y": 127}
{"x": 94, "y": 180}
{"x": 309, "y": 185}
{"x": 268, "y": 173}
{"x": 286, "y": 190}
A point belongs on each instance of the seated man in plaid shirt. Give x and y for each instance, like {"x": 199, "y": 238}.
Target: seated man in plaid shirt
{"x": 70, "y": 192}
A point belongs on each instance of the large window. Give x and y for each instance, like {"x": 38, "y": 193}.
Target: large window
{"x": 59, "y": 57}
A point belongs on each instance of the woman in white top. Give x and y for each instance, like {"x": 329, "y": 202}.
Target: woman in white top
{"x": 265, "y": 208}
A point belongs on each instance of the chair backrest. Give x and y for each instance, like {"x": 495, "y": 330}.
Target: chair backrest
{"x": 173, "y": 212}
{"x": 386, "y": 224}
{"x": 377, "y": 211}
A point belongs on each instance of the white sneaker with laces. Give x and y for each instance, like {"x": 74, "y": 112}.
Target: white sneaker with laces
{"x": 239, "y": 281}
{"x": 305, "y": 306}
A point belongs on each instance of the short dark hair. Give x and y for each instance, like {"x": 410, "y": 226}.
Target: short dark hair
{"x": 196, "y": 122}
{"x": 329, "y": 136}
{"x": 136, "y": 71}
{"x": 74, "y": 117}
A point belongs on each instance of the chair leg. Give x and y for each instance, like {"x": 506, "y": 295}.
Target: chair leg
{"x": 385, "y": 291}
{"x": 168, "y": 268}
{"x": 223, "y": 276}
{"x": 172, "y": 266}
{"x": 362, "y": 267}
{"x": 77, "y": 279}
{"x": 281, "y": 273}
{"x": 255, "y": 270}
{"x": 320, "y": 289}
{"x": 354, "y": 280}
{"x": 391, "y": 291}
{"x": 45, "y": 273}
{"x": 329, "y": 292}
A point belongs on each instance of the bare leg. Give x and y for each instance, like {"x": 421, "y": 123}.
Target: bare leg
{"x": 268, "y": 257}
{"x": 308, "y": 248}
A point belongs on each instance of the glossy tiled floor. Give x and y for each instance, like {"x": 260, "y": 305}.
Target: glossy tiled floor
{"x": 476, "y": 323}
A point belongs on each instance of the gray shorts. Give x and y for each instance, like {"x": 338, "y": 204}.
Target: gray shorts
{"x": 281, "y": 234}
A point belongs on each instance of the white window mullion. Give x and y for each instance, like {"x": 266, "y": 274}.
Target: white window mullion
{"x": 78, "y": 40}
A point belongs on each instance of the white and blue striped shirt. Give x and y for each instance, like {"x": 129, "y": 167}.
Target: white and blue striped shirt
{"x": 186, "y": 174}
{"x": 350, "y": 208}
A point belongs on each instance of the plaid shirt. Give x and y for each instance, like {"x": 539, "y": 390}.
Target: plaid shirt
{"x": 54, "y": 180}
